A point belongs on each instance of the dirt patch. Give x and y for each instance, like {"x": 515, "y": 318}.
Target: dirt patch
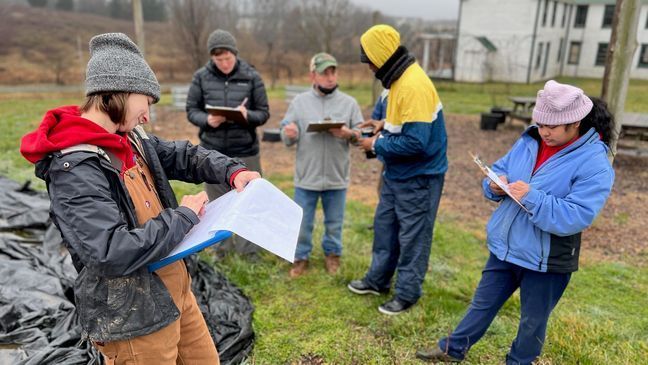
{"x": 617, "y": 233}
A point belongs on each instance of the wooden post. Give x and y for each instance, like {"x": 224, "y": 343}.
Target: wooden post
{"x": 138, "y": 19}
{"x": 621, "y": 49}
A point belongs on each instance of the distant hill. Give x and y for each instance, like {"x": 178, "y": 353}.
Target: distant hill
{"x": 48, "y": 46}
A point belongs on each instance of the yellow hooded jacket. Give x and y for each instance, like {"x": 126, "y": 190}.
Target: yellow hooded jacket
{"x": 415, "y": 139}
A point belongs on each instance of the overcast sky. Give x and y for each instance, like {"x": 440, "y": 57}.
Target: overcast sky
{"x": 427, "y": 9}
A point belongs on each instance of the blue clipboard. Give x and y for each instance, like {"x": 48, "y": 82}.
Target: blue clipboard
{"x": 218, "y": 237}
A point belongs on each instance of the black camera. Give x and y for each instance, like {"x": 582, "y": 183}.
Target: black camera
{"x": 367, "y": 133}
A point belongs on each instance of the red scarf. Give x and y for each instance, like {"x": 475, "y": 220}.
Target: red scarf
{"x": 64, "y": 127}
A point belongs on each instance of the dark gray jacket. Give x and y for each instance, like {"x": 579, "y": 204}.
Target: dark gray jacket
{"x": 116, "y": 297}
{"x": 211, "y": 86}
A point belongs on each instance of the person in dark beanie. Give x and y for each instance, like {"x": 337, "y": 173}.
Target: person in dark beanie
{"x": 412, "y": 146}
{"x": 560, "y": 173}
{"x": 227, "y": 80}
{"x": 112, "y": 202}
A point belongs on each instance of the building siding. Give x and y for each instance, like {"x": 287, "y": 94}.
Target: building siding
{"x": 510, "y": 25}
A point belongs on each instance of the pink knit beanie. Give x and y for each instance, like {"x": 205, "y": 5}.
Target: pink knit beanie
{"x": 558, "y": 104}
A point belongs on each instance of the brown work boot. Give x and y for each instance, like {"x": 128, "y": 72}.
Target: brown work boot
{"x": 298, "y": 268}
{"x": 332, "y": 264}
{"x": 435, "y": 355}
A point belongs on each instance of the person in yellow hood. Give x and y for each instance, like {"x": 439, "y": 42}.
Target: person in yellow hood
{"x": 412, "y": 145}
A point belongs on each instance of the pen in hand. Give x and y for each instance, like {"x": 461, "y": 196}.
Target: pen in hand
{"x": 243, "y": 102}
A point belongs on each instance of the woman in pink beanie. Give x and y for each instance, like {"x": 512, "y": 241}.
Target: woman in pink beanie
{"x": 562, "y": 177}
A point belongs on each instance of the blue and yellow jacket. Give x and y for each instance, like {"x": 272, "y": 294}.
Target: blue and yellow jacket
{"x": 414, "y": 140}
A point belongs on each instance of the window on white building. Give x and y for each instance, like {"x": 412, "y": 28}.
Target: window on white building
{"x": 574, "y": 53}
{"x": 643, "y": 56}
{"x": 560, "y": 50}
{"x": 539, "y": 55}
{"x": 553, "y": 14}
{"x": 581, "y": 16}
{"x": 564, "y": 17}
{"x": 608, "y": 16}
{"x": 601, "y": 54}
{"x": 546, "y": 59}
{"x": 544, "y": 13}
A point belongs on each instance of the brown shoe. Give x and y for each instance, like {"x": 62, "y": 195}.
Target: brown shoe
{"x": 332, "y": 264}
{"x": 298, "y": 268}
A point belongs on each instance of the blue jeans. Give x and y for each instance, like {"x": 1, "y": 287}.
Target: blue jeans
{"x": 539, "y": 294}
{"x": 403, "y": 227}
{"x": 333, "y": 202}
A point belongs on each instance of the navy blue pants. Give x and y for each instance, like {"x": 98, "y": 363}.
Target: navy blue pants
{"x": 403, "y": 227}
{"x": 539, "y": 294}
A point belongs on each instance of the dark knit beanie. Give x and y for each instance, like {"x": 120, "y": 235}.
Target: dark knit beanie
{"x": 221, "y": 39}
{"x": 116, "y": 64}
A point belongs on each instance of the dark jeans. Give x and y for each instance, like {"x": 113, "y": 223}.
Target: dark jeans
{"x": 403, "y": 227}
{"x": 539, "y": 294}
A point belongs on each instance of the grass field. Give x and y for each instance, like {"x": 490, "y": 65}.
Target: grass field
{"x": 602, "y": 319}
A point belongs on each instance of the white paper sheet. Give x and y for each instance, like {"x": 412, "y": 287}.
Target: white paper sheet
{"x": 261, "y": 213}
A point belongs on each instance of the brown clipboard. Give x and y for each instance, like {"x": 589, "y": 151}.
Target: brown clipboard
{"x": 233, "y": 114}
{"x": 324, "y": 126}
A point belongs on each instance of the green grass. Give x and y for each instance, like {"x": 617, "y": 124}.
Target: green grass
{"x": 602, "y": 319}
{"x": 18, "y": 115}
{"x": 472, "y": 98}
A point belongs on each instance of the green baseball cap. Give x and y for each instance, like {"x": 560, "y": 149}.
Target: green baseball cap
{"x": 321, "y": 61}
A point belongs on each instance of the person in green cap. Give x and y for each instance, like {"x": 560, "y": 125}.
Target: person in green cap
{"x": 322, "y": 158}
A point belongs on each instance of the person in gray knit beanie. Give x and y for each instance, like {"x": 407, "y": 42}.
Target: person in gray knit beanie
{"x": 118, "y": 215}
{"x": 116, "y": 64}
{"x": 221, "y": 39}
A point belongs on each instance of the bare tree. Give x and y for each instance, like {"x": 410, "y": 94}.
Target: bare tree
{"x": 320, "y": 22}
{"x": 191, "y": 27}
{"x": 270, "y": 18}
{"x": 194, "y": 20}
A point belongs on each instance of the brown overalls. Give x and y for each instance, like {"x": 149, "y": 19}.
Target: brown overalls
{"x": 187, "y": 340}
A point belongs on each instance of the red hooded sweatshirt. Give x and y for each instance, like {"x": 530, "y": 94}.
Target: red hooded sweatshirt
{"x": 64, "y": 127}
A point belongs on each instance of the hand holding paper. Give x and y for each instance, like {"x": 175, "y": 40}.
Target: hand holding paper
{"x": 261, "y": 213}
{"x": 503, "y": 185}
{"x": 496, "y": 188}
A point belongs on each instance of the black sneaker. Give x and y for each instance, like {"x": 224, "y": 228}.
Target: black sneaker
{"x": 435, "y": 355}
{"x": 394, "y": 306}
{"x": 361, "y": 287}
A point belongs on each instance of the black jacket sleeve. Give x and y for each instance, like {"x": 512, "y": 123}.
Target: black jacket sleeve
{"x": 196, "y": 104}
{"x": 185, "y": 162}
{"x": 260, "y": 112}
{"x": 90, "y": 221}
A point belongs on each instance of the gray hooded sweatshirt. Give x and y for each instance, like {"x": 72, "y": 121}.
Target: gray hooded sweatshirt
{"x": 322, "y": 159}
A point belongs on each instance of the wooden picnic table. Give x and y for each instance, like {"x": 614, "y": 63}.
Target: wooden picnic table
{"x": 522, "y": 108}
{"x": 634, "y": 125}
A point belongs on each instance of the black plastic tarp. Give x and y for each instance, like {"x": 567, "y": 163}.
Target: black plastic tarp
{"x": 38, "y": 323}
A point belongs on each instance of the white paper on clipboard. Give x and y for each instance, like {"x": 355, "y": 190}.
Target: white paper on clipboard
{"x": 493, "y": 176}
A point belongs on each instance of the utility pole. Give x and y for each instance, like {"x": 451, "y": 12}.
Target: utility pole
{"x": 138, "y": 19}
{"x": 621, "y": 49}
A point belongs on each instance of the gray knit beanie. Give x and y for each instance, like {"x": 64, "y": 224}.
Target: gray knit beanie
{"x": 116, "y": 64}
{"x": 221, "y": 39}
